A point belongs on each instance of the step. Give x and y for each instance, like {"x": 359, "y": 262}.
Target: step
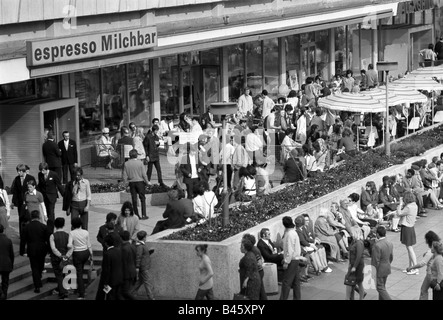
{"x": 24, "y": 285}
{"x": 21, "y": 261}
{"x": 20, "y": 273}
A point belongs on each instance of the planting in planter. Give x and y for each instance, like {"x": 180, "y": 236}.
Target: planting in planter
{"x": 119, "y": 187}
{"x": 354, "y": 169}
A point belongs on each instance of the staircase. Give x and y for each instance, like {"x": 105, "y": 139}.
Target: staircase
{"x": 21, "y": 286}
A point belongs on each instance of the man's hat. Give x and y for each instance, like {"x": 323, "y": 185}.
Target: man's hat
{"x": 105, "y": 130}
{"x": 415, "y": 167}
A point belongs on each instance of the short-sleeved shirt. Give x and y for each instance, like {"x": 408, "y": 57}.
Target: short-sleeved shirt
{"x": 33, "y": 201}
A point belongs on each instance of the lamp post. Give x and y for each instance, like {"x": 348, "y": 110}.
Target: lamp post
{"x": 387, "y": 66}
{"x": 224, "y": 108}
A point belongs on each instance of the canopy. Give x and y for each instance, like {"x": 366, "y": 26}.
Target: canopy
{"x": 379, "y": 94}
{"x": 418, "y": 83}
{"x": 352, "y": 102}
{"x": 429, "y": 72}
{"x": 409, "y": 95}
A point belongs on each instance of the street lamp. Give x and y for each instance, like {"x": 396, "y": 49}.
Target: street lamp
{"x": 387, "y": 66}
{"x": 222, "y": 109}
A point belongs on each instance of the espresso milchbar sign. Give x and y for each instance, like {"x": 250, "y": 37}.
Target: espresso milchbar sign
{"x": 42, "y": 52}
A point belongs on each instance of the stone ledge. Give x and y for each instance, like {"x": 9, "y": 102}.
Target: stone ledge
{"x": 152, "y": 199}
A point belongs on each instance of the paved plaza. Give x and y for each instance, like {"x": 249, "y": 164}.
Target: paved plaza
{"x": 324, "y": 287}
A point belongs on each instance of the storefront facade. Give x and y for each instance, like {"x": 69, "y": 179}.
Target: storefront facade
{"x": 81, "y": 72}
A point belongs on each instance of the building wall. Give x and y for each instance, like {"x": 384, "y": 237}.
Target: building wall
{"x": 396, "y": 45}
{"x": 19, "y": 134}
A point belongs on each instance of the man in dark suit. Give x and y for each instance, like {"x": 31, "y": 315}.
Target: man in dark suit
{"x": 112, "y": 271}
{"x": 125, "y": 143}
{"x": 36, "y": 236}
{"x": 52, "y": 154}
{"x": 294, "y": 169}
{"x": 192, "y": 171}
{"x": 48, "y": 184}
{"x": 268, "y": 249}
{"x": 18, "y": 189}
{"x": 6, "y": 262}
{"x": 129, "y": 256}
{"x": 382, "y": 256}
{"x": 68, "y": 148}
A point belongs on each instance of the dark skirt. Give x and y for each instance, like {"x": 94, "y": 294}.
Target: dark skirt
{"x": 407, "y": 236}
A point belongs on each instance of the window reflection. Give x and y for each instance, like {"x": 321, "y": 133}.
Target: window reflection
{"x": 87, "y": 90}
{"x": 140, "y": 93}
{"x": 236, "y": 70}
{"x": 270, "y": 47}
{"x": 168, "y": 85}
{"x": 254, "y": 67}
{"x": 114, "y": 86}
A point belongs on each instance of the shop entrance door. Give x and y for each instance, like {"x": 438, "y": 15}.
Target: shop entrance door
{"x": 200, "y": 86}
{"x": 308, "y": 59}
{"x": 22, "y": 131}
{"x": 418, "y": 41}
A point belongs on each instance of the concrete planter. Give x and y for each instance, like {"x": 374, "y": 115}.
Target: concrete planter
{"x": 154, "y": 199}
{"x": 181, "y": 278}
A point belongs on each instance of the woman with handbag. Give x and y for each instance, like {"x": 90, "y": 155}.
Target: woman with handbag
{"x": 437, "y": 271}
{"x": 355, "y": 277}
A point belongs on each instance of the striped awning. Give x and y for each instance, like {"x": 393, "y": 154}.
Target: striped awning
{"x": 418, "y": 83}
{"x": 379, "y": 94}
{"x": 409, "y": 95}
{"x": 429, "y": 73}
{"x": 353, "y": 102}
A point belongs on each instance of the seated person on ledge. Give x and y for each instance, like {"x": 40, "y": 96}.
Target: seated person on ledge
{"x": 178, "y": 212}
{"x": 268, "y": 249}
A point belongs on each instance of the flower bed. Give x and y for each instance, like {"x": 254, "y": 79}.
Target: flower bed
{"x": 354, "y": 169}
{"x": 119, "y": 187}
{"x": 110, "y": 193}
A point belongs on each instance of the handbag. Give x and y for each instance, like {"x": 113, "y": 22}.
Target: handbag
{"x": 240, "y": 296}
{"x": 92, "y": 273}
{"x": 350, "y": 279}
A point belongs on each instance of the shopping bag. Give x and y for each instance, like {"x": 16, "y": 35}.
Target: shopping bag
{"x": 92, "y": 273}
{"x": 350, "y": 279}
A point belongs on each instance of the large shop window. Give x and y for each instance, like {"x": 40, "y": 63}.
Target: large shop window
{"x": 41, "y": 88}
{"x": 270, "y": 56}
{"x": 116, "y": 103}
{"x": 322, "y": 54}
{"x": 168, "y": 71}
{"x": 87, "y": 90}
{"x": 254, "y": 67}
{"x": 292, "y": 48}
{"x": 347, "y": 49}
{"x": 140, "y": 98}
{"x": 236, "y": 70}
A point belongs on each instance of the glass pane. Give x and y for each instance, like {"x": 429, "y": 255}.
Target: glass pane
{"x": 114, "y": 96}
{"x": 292, "y": 47}
{"x": 87, "y": 90}
{"x": 211, "y": 85}
{"x": 271, "y": 67}
{"x": 211, "y": 56}
{"x": 187, "y": 92}
{"x": 47, "y": 87}
{"x": 139, "y": 87}
{"x": 340, "y": 46}
{"x": 254, "y": 67}
{"x": 312, "y": 71}
{"x": 17, "y": 90}
{"x": 322, "y": 54}
{"x": 353, "y": 49}
{"x": 307, "y": 37}
{"x": 236, "y": 71}
{"x": 168, "y": 86}
{"x": 304, "y": 65}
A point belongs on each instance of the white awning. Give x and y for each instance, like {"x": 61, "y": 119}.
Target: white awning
{"x": 228, "y": 35}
